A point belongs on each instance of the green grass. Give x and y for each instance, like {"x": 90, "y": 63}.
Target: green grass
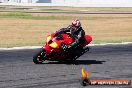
{"x": 63, "y": 9}
{"x": 17, "y": 14}
{"x": 23, "y": 15}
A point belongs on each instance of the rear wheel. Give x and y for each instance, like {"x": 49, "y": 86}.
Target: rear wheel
{"x": 39, "y": 57}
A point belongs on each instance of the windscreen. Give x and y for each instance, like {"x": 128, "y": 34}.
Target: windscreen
{"x": 58, "y": 37}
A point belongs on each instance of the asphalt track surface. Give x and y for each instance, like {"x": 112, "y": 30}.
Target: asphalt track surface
{"x": 102, "y": 62}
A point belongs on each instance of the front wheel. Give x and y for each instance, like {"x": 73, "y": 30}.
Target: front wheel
{"x": 39, "y": 57}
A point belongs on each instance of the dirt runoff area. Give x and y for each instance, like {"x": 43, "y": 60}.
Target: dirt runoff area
{"x": 102, "y": 27}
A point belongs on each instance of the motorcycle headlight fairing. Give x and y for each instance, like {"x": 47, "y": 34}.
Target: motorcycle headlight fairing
{"x": 48, "y": 39}
{"x": 54, "y": 45}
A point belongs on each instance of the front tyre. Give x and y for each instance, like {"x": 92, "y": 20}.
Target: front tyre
{"x": 39, "y": 57}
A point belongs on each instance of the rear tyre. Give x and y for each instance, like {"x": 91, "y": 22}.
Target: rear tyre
{"x": 39, "y": 57}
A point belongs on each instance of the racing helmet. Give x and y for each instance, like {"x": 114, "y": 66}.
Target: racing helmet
{"x": 76, "y": 23}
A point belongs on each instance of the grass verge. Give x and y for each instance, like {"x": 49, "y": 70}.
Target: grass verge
{"x": 23, "y": 15}
{"x": 63, "y": 9}
{"x": 20, "y": 29}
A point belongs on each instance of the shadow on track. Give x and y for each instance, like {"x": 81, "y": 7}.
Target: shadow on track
{"x": 78, "y": 62}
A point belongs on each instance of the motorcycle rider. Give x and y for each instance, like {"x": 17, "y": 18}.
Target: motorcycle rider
{"x": 77, "y": 33}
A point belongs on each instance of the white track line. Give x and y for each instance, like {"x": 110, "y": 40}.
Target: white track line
{"x": 35, "y": 47}
{"x": 123, "y": 43}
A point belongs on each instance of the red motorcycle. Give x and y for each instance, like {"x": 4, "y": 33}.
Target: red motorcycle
{"x": 56, "y": 48}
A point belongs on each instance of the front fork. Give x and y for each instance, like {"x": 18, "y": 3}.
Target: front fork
{"x": 49, "y": 52}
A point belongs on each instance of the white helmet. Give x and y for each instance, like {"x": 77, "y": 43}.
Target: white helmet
{"x": 76, "y": 23}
